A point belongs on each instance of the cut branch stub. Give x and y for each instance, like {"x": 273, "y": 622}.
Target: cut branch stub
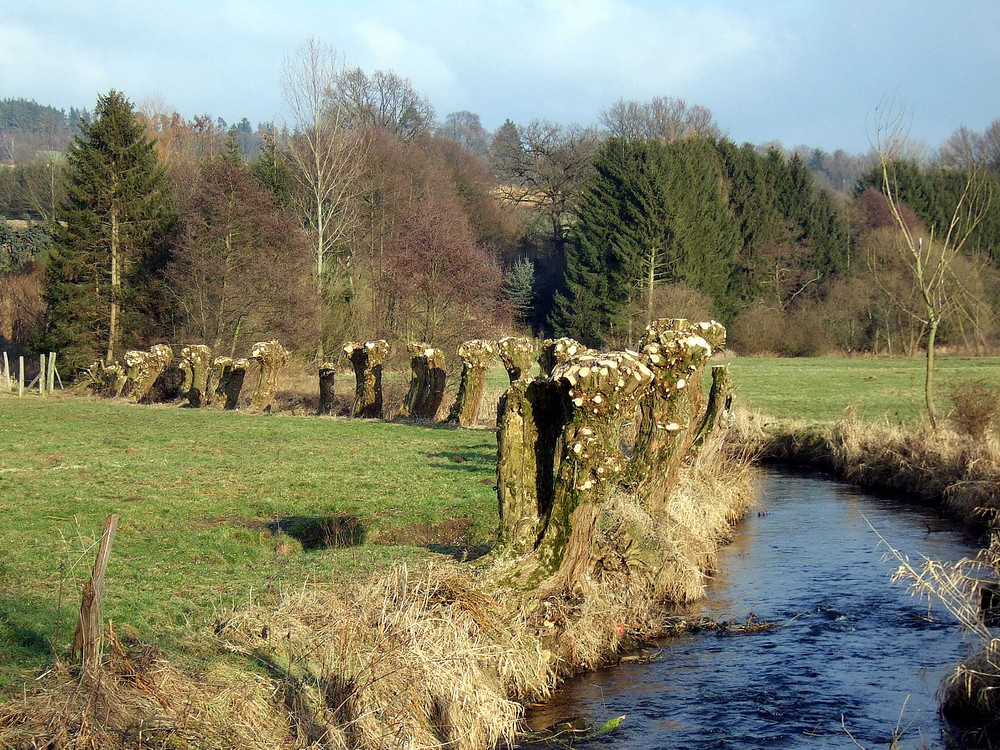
{"x": 602, "y": 391}
{"x": 231, "y": 382}
{"x": 516, "y": 353}
{"x": 143, "y": 368}
{"x": 477, "y": 355}
{"x": 327, "y": 379}
{"x": 197, "y": 357}
{"x": 273, "y": 358}
{"x": 427, "y": 381}
{"x": 676, "y": 351}
{"x": 367, "y": 359}
{"x": 530, "y": 417}
{"x": 557, "y": 351}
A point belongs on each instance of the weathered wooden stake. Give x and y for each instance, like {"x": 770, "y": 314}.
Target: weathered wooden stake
{"x": 51, "y": 376}
{"x": 20, "y": 377}
{"x": 87, "y": 641}
{"x": 5, "y": 378}
{"x": 41, "y": 375}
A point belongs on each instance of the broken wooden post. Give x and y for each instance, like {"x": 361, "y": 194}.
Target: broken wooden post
{"x": 87, "y": 640}
{"x": 428, "y": 375}
{"x": 556, "y": 351}
{"x": 273, "y": 358}
{"x": 367, "y": 359}
{"x": 477, "y": 355}
{"x": 327, "y": 379}
{"x": 231, "y": 383}
{"x": 675, "y": 351}
{"x": 143, "y": 368}
{"x": 197, "y": 357}
{"x": 516, "y": 353}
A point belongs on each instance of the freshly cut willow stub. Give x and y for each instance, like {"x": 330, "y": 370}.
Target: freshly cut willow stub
{"x": 557, "y": 351}
{"x": 516, "y": 353}
{"x": 477, "y": 355}
{"x": 675, "y": 350}
{"x": 143, "y": 368}
{"x": 198, "y": 357}
{"x": 327, "y": 379}
{"x": 428, "y": 375}
{"x": 367, "y": 359}
{"x": 272, "y": 358}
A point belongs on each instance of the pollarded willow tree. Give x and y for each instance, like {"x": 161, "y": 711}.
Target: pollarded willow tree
{"x": 101, "y": 288}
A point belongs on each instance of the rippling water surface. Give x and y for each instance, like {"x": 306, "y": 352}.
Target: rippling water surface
{"x": 855, "y": 650}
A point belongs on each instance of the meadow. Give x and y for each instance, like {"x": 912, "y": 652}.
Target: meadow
{"x": 222, "y": 508}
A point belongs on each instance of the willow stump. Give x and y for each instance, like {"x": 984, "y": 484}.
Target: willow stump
{"x": 143, "y": 368}
{"x": 198, "y": 357}
{"x": 516, "y": 353}
{"x": 719, "y": 409}
{"x": 675, "y": 351}
{"x": 477, "y": 355}
{"x": 557, "y": 351}
{"x": 272, "y": 358}
{"x": 428, "y": 375}
{"x": 327, "y": 379}
{"x": 530, "y": 417}
{"x": 231, "y": 383}
{"x": 367, "y": 359}
{"x": 216, "y": 372}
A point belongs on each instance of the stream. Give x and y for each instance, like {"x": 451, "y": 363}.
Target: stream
{"x": 854, "y": 652}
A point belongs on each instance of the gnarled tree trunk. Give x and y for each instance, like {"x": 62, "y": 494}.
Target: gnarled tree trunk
{"x": 327, "y": 378}
{"x": 516, "y": 353}
{"x": 197, "y": 357}
{"x": 273, "y": 358}
{"x": 367, "y": 359}
{"x": 427, "y": 381}
{"x": 675, "y": 350}
{"x": 477, "y": 355}
{"x": 143, "y": 368}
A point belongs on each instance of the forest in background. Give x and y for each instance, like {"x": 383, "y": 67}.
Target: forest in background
{"x": 366, "y": 216}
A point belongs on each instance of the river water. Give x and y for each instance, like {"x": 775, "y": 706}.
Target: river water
{"x": 854, "y": 652}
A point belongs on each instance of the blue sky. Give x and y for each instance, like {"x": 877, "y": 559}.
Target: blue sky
{"x": 802, "y": 72}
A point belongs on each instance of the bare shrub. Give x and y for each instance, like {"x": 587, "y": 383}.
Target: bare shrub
{"x": 975, "y": 405}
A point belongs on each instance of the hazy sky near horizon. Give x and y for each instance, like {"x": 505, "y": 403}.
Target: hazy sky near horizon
{"x": 802, "y": 72}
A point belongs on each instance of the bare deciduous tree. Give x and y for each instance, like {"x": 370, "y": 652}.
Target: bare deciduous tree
{"x": 930, "y": 257}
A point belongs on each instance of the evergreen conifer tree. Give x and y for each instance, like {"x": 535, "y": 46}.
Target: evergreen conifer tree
{"x": 101, "y": 289}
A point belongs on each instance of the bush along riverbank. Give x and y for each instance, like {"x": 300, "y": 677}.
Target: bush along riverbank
{"x": 616, "y": 487}
{"x": 957, "y": 470}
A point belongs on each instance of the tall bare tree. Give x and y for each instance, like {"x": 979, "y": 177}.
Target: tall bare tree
{"x": 327, "y": 155}
{"x": 930, "y": 257}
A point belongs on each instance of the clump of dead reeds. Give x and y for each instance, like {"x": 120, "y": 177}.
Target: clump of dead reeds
{"x": 412, "y": 660}
{"x": 137, "y": 699}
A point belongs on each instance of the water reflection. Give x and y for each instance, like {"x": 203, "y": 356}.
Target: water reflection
{"x": 854, "y": 649}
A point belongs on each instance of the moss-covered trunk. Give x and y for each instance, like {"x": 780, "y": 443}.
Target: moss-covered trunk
{"x": 428, "y": 376}
{"x": 477, "y": 355}
{"x": 367, "y": 359}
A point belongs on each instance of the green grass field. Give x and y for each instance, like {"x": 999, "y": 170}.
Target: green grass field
{"x": 201, "y": 495}
{"x": 218, "y": 507}
{"x": 819, "y": 389}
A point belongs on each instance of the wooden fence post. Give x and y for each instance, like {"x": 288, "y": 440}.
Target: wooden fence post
{"x": 87, "y": 641}
{"x": 41, "y": 375}
{"x": 20, "y": 377}
{"x": 51, "y": 377}
{"x": 5, "y": 383}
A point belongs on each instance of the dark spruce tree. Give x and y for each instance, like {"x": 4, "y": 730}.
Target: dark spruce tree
{"x": 102, "y": 288}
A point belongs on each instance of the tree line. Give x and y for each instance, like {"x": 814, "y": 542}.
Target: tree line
{"x": 366, "y": 218}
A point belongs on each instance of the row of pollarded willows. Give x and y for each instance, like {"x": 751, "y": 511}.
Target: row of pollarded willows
{"x": 194, "y": 376}
{"x": 598, "y": 531}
